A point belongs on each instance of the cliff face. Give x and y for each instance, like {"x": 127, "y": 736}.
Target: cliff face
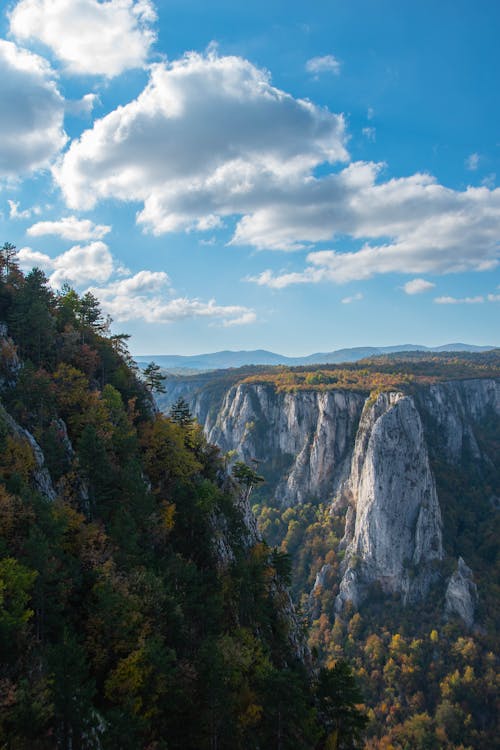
{"x": 373, "y": 458}
{"x": 452, "y": 410}
{"x": 396, "y": 534}
{"x": 305, "y": 437}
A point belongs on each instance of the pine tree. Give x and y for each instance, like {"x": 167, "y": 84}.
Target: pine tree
{"x": 153, "y": 378}
{"x": 180, "y": 413}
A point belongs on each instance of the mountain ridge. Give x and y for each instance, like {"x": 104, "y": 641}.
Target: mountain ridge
{"x": 227, "y": 358}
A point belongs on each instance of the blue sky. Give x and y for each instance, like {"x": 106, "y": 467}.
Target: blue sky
{"x": 280, "y": 175}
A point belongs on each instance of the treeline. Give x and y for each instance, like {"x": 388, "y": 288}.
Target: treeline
{"x": 136, "y": 608}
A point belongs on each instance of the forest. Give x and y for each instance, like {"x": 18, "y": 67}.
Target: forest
{"x": 138, "y": 606}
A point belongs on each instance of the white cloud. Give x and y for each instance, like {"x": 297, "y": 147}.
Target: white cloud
{"x": 370, "y": 113}
{"x": 459, "y": 300}
{"x": 421, "y": 226}
{"x": 89, "y": 36}
{"x": 31, "y": 122}
{"x": 325, "y": 64}
{"x": 472, "y": 162}
{"x": 417, "y": 286}
{"x": 208, "y": 137}
{"x": 353, "y": 298}
{"x": 143, "y": 297}
{"x": 370, "y": 134}
{"x": 82, "y": 107}
{"x": 79, "y": 265}
{"x": 15, "y": 212}
{"x": 70, "y": 228}
{"x": 493, "y": 297}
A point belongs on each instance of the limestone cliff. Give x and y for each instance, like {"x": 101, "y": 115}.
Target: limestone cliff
{"x": 305, "y": 438}
{"x": 371, "y": 457}
{"x": 396, "y": 536}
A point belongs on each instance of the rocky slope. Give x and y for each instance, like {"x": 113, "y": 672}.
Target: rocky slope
{"x": 371, "y": 457}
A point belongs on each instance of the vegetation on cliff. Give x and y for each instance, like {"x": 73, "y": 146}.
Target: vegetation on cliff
{"x": 137, "y": 610}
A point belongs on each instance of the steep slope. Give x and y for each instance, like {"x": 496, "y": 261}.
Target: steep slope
{"x": 396, "y": 535}
{"x": 139, "y": 607}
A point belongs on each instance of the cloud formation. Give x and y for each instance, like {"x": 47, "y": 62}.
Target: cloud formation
{"x": 144, "y": 296}
{"x": 79, "y": 265}
{"x": 31, "y": 123}
{"x": 422, "y": 227}
{"x": 89, "y": 36}
{"x": 417, "y": 286}
{"x": 208, "y": 137}
{"x": 70, "y": 228}
{"x": 325, "y": 64}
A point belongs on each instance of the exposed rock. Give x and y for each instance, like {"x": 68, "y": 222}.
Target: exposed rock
{"x": 305, "y": 439}
{"x": 454, "y": 408}
{"x": 319, "y": 583}
{"x": 41, "y": 478}
{"x": 397, "y": 531}
{"x": 461, "y": 594}
{"x": 371, "y": 457}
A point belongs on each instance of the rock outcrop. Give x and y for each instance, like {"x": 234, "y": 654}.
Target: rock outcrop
{"x": 372, "y": 458}
{"x": 452, "y": 411}
{"x": 304, "y": 438}
{"x": 40, "y": 476}
{"x": 396, "y": 536}
{"x": 461, "y": 594}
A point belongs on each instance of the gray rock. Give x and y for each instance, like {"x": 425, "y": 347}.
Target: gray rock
{"x": 396, "y": 536}
{"x": 41, "y": 478}
{"x": 461, "y": 594}
{"x": 308, "y": 435}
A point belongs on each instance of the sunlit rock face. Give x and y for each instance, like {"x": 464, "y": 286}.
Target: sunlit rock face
{"x": 308, "y": 436}
{"x": 372, "y": 458}
{"x": 396, "y": 536}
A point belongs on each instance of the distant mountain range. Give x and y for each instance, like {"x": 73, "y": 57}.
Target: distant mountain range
{"x": 226, "y": 359}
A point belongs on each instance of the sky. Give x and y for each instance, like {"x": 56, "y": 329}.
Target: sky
{"x": 298, "y": 177}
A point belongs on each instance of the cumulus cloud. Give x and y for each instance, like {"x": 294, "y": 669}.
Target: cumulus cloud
{"x": 353, "y": 298}
{"x": 208, "y": 137}
{"x": 70, "y": 228}
{"x": 417, "y": 286}
{"x": 422, "y": 227}
{"x": 144, "y": 296}
{"x": 325, "y": 64}
{"x": 89, "y": 36}
{"x": 31, "y": 123}
{"x": 459, "y": 300}
{"x": 79, "y": 265}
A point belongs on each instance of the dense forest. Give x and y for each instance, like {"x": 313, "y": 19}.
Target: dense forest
{"x": 138, "y": 606}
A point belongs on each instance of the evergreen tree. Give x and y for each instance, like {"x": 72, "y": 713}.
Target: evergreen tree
{"x": 180, "y": 413}
{"x": 153, "y": 378}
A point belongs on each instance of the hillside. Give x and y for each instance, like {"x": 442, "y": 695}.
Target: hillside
{"x": 139, "y": 608}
